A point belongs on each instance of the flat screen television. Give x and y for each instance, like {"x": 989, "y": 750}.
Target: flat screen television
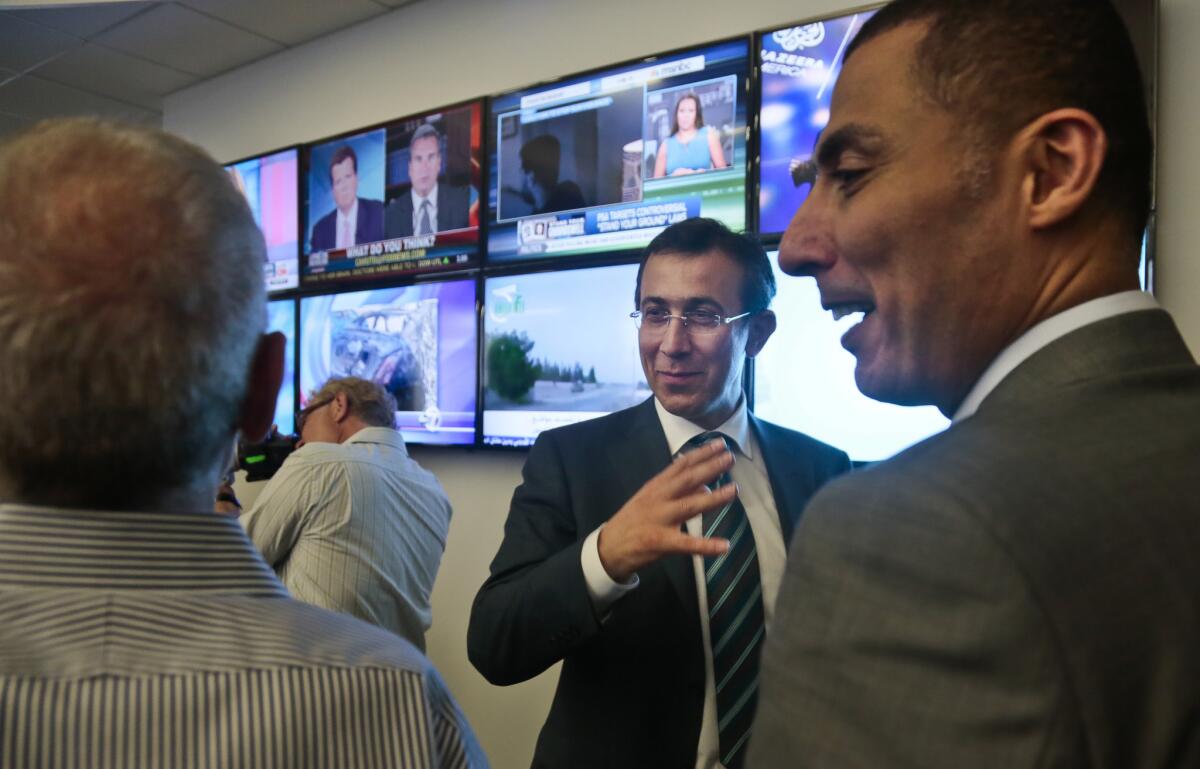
{"x": 1145, "y": 263}
{"x": 559, "y": 348}
{"x": 804, "y": 379}
{"x": 417, "y": 341}
{"x": 603, "y": 161}
{"x": 271, "y": 185}
{"x": 402, "y": 198}
{"x": 281, "y": 316}
{"x": 798, "y": 66}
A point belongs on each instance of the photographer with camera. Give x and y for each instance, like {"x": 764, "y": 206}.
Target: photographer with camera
{"x": 350, "y": 522}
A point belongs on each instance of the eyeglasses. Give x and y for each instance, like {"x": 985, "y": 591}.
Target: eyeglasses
{"x": 303, "y": 413}
{"x": 656, "y": 320}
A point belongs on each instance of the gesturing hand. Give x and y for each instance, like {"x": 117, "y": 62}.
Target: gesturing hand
{"x": 647, "y": 527}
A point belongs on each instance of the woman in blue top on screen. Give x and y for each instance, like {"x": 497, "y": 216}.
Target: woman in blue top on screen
{"x": 692, "y": 146}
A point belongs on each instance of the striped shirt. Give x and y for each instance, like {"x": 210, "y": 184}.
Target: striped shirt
{"x": 147, "y": 640}
{"x": 357, "y": 527}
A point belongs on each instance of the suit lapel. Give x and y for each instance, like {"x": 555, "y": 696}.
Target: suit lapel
{"x": 783, "y": 483}
{"x": 639, "y": 454}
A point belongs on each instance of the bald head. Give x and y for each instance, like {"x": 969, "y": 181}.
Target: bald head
{"x": 131, "y": 305}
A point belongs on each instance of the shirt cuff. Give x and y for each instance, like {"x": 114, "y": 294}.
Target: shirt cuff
{"x": 602, "y": 589}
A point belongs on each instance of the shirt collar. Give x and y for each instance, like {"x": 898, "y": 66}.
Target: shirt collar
{"x": 385, "y": 435}
{"x": 679, "y": 430}
{"x": 1042, "y": 334}
{"x": 46, "y": 547}
{"x": 431, "y": 197}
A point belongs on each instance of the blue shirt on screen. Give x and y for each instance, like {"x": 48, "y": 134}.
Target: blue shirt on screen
{"x": 694, "y": 155}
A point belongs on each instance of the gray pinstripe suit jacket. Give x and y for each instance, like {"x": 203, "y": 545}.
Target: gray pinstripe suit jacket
{"x": 1020, "y": 591}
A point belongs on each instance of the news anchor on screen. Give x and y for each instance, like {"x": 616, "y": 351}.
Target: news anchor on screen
{"x": 354, "y": 220}
{"x": 428, "y": 207}
{"x": 692, "y": 146}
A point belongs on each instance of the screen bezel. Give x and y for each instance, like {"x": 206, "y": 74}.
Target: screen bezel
{"x": 526, "y": 264}
{"x": 475, "y": 276}
{"x": 521, "y": 270}
{"x": 771, "y": 240}
{"x": 299, "y": 150}
{"x": 359, "y": 282}
{"x": 294, "y": 342}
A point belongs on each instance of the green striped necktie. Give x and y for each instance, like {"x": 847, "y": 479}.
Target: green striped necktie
{"x": 735, "y": 617}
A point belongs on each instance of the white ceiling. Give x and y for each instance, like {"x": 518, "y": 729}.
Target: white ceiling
{"x": 119, "y": 59}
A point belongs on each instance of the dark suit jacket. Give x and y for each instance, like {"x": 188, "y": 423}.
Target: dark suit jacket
{"x": 631, "y": 690}
{"x": 453, "y": 204}
{"x": 1022, "y": 590}
{"x": 368, "y": 229}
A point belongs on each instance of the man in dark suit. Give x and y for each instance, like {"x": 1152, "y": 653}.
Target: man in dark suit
{"x": 607, "y": 564}
{"x": 353, "y": 220}
{"x": 428, "y": 207}
{"x": 1022, "y": 590}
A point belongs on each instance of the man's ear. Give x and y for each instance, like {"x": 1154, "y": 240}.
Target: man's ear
{"x": 262, "y": 390}
{"x": 339, "y": 409}
{"x": 1064, "y": 153}
{"x": 762, "y": 325}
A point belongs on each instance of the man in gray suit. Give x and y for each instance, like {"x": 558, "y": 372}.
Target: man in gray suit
{"x": 1024, "y": 589}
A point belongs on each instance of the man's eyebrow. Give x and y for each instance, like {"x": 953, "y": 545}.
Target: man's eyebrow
{"x": 690, "y": 303}
{"x": 855, "y": 136}
{"x": 703, "y": 299}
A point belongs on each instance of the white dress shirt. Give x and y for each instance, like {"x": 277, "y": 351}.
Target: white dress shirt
{"x": 1042, "y": 334}
{"x": 418, "y": 201}
{"x": 357, "y": 527}
{"x": 749, "y": 472}
{"x": 347, "y": 226}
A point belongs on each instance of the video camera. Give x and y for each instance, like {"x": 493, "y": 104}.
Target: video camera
{"x": 263, "y": 459}
{"x": 804, "y": 171}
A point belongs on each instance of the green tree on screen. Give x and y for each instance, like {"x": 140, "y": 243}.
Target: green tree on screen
{"x": 510, "y": 371}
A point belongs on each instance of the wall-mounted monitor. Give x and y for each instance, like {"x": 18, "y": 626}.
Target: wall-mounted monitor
{"x": 418, "y": 341}
{"x": 559, "y": 348}
{"x": 402, "y": 198}
{"x": 271, "y": 186}
{"x": 281, "y": 317}
{"x": 804, "y": 379}
{"x": 1145, "y": 263}
{"x": 602, "y": 162}
{"x": 798, "y": 66}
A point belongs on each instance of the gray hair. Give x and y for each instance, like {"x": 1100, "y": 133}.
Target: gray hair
{"x": 424, "y": 131}
{"x": 131, "y": 304}
{"x": 367, "y": 400}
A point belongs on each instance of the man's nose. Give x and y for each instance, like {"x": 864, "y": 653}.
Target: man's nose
{"x": 677, "y": 339}
{"x": 807, "y": 246}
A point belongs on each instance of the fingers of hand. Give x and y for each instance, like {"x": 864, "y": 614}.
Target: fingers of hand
{"x": 678, "y": 542}
{"x": 698, "y": 467}
{"x": 680, "y": 492}
{"x": 700, "y": 501}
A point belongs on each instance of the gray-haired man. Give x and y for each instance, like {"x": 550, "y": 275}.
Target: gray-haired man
{"x": 350, "y": 522}
{"x": 138, "y": 627}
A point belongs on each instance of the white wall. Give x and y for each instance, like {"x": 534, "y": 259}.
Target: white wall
{"x": 1178, "y": 279}
{"x": 441, "y": 51}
